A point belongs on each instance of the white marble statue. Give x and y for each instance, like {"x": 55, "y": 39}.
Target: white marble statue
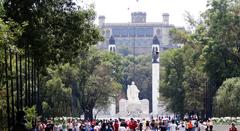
{"x": 133, "y": 106}
{"x": 132, "y": 93}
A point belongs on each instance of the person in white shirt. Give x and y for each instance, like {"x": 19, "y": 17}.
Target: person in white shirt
{"x": 77, "y": 126}
{"x": 202, "y": 126}
{"x": 182, "y": 126}
{"x": 122, "y": 127}
{"x": 173, "y": 126}
{"x": 97, "y": 127}
{"x": 70, "y": 125}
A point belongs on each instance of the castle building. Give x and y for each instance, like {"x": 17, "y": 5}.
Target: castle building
{"x": 136, "y": 36}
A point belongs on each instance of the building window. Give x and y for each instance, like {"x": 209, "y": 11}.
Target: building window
{"x": 107, "y": 33}
{"x": 103, "y": 32}
{"x": 158, "y": 32}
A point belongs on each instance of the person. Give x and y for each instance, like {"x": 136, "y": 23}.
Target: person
{"x": 91, "y": 128}
{"x": 209, "y": 125}
{"x": 153, "y": 128}
{"x": 202, "y": 126}
{"x": 20, "y": 124}
{"x": 132, "y": 125}
{"x": 40, "y": 126}
{"x": 140, "y": 125}
{"x": 109, "y": 127}
{"x": 122, "y": 126}
{"x": 181, "y": 127}
{"x": 147, "y": 127}
{"x": 49, "y": 126}
{"x": 97, "y": 127}
{"x": 116, "y": 125}
{"x": 70, "y": 125}
{"x": 173, "y": 126}
{"x": 189, "y": 125}
{"x": 164, "y": 125}
{"x": 233, "y": 128}
{"x": 103, "y": 127}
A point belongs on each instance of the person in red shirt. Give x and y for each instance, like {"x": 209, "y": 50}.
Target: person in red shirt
{"x": 116, "y": 125}
{"x": 233, "y": 128}
{"x": 132, "y": 125}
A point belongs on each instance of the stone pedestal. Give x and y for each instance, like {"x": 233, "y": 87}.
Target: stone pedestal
{"x": 128, "y": 109}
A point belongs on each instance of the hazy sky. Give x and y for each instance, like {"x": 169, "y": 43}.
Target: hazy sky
{"x": 120, "y": 10}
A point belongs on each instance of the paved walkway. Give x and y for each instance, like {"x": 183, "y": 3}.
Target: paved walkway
{"x": 223, "y": 127}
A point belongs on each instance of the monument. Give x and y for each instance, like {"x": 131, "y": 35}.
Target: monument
{"x": 158, "y": 106}
{"x": 133, "y": 107}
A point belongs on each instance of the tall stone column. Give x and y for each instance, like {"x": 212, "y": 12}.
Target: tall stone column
{"x": 155, "y": 75}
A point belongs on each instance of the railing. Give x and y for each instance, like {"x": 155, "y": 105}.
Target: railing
{"x": 21, "y": 85}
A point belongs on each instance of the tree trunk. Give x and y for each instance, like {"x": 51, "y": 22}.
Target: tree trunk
{"x": 88, "y": 114}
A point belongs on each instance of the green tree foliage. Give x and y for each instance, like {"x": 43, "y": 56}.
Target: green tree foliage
{"x": 172, "y": 86}
{"x": 78, "y": 87}
{"x": 8, "y": 36}
{"x": 184, "y": 81}
{"x": 55, "y": 93}
{"x": 31, "y": 115}
{"x": 57, "y": 31}
{"x": 211, "y": 52}
{"x": 53, "y": 32}
{"x": 194, "y": 81}
{"x": 221, "y": 52}
{"x": 99, "y": 80}
{"x": 227, "y": 98}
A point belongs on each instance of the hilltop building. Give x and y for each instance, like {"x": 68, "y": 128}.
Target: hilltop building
{"x": 136, "y": 36}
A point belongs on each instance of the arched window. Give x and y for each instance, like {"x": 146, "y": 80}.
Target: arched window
{"x": 107, "y": 33}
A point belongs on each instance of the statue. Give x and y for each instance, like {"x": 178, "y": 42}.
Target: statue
{"x": 133, "y": 106}
{"x": 132, "y": 93}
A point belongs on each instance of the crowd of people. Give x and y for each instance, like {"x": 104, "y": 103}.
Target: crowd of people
{"x": 159, "y": 124}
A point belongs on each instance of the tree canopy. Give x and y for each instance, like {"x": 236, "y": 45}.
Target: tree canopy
{"x": 210, "y": 55}
{"x": 227, "y": 98}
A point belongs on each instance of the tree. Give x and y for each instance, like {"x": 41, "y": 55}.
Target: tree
{"x": 8, "y": 36}
{"x": 84, "y": 84}
{"x": 172, "y": 86}
{"x": 55, "y": 93}
{"x": 227, "y": 98}
{"x": 184, "y": 80}
{"x": 220, "y": 42}
{"x": 194, "y": 85}
{"x": 98, "y": 78}
{"x": 57, "y": 31}
{"x": 222, "y": 51}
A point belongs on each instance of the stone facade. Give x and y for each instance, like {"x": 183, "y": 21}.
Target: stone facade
{"x": 138, "y": 33}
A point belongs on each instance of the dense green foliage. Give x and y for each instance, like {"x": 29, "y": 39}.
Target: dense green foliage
{"x": 228, "y": 99}
{"x": 78, "y": 87}
{"x": 31, "y": 115}
{"x": 195, "y": 72}
{"x": 56, "y": 31}
{"x": 58, "y": 36}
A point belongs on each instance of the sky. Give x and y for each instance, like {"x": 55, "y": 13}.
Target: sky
{"x": 117, "y": 11}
